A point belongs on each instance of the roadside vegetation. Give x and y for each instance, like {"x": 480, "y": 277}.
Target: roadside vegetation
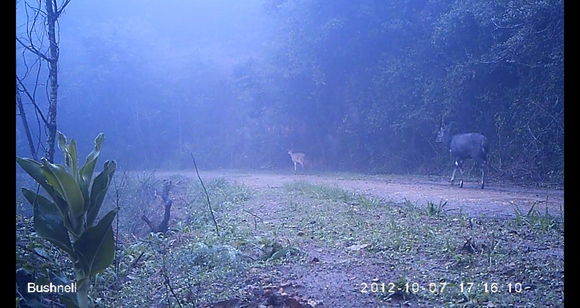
{"x": 425, "y": 254}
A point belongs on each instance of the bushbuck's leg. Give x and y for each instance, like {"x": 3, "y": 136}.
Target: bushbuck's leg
{"x": 483, "y": 165}
{"x": 460, "y": 167}
{"x": 294, "y": 167}
{"x": 453, "y": 175}
{"x": 454, "y": 172}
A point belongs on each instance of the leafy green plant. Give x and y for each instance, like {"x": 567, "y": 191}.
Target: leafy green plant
{"x": 68, "y": 218}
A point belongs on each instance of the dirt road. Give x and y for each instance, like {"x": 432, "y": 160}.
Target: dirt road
{"x": 496, "y": 200}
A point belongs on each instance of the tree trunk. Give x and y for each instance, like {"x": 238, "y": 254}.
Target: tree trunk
{"x": 53, "y": 78}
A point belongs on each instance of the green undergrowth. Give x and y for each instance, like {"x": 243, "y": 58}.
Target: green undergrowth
{"x": 264, "y": 230}
{"x": 192, "y": 264}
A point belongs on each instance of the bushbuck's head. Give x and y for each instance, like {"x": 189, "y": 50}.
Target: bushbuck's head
{"x": 444, "y": 133}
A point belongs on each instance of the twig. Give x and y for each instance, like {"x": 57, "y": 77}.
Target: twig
{"x": 118, "y": 188}
{"x": 206, "y": 195}
{"x": 31, "y": 98}
{"x": 148, "y": 222}
{"x": 33, "y": 50}
{"x": 168, "y": 283}
{"x": 255, "y": 216}
{"x": 133, "y": 264}
{"x": 124, "y": 275}
{"x": 59, "y": 11}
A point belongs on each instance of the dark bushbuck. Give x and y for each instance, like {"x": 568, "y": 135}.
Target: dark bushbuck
{"x": 462, "y": 147}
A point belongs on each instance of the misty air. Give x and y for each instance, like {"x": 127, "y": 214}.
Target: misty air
{"x": 289, "y": 153}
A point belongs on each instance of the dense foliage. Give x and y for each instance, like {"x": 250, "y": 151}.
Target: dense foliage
{"x": 384, "y": 74}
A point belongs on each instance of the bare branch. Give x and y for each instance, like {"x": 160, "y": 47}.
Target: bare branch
{"x": 23, "y": 88}
{"x": 206, "y": 195}
{"x": 54, "y": 6}
{"x": 36, "y": 83}
{"x": 31, "y": 28}
{"x": 22, "y": 114}
{"x": 32, "y": 49}
{"x": 59, "y": 11}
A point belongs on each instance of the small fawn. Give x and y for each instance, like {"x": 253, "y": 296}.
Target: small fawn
{"x": 297, "y": 158}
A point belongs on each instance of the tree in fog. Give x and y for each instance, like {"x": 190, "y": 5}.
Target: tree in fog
{"x": 40, "y": 27}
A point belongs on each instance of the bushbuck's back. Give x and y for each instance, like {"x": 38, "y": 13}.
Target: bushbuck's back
{"x": 469, "y": 145}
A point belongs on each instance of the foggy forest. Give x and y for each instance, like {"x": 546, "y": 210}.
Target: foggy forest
{"x": 289, "y": 153}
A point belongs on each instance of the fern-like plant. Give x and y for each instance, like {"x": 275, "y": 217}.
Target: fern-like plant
{"x": 68, "y": 217}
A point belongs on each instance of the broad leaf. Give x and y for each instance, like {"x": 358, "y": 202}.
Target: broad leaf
{"x": 48, "y": 221}
{"x": 70, "y": 153}
{"x": 99, "y": 190}
{"x": 73, "y": 157}
{"x": 65, "y": 184}
{"x": 35, "y": 170}
{"x": 86, "y": 171}
{"x": 61, "y": 142}
{"x": 91, "y": 161}
{"x": 96, "y": 246}
{"x": 67, "y": 299}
